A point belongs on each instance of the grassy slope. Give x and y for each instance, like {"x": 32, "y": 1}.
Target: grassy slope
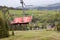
{"x": 30, "y": 12}
{"x": 34, "y": 35}
{"x": 43, "y": 15}
{"x": 36, "y": 13}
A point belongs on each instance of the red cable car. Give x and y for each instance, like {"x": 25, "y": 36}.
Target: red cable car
{"x": 22, "y": 20}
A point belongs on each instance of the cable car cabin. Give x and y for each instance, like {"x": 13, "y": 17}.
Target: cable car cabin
{"x": 20, "y": 23}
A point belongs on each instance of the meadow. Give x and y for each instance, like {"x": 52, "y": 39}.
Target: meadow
{"x": 34, "y": 35}
{"x": 42, "y": 16}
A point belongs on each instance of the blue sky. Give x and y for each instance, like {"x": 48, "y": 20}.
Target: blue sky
{"x": 15, "y": 3}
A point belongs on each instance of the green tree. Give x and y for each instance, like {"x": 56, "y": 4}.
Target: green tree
{"x": 3, "y": 28}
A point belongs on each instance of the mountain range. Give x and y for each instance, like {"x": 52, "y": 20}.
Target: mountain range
{"x": 49, "y": 7}
{"x": 55, "y": 6}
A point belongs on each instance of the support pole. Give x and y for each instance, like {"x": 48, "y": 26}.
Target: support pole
{"x": 22, "y": 3}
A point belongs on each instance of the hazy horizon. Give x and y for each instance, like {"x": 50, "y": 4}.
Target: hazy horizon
{"x": 15, "y": 3}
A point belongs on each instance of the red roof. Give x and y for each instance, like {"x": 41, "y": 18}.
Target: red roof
{"x": 22, "y": 20}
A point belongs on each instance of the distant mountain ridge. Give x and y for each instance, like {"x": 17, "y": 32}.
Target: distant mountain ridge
{"x": 49, "y": 7}
{"x": 54, "y": 6}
